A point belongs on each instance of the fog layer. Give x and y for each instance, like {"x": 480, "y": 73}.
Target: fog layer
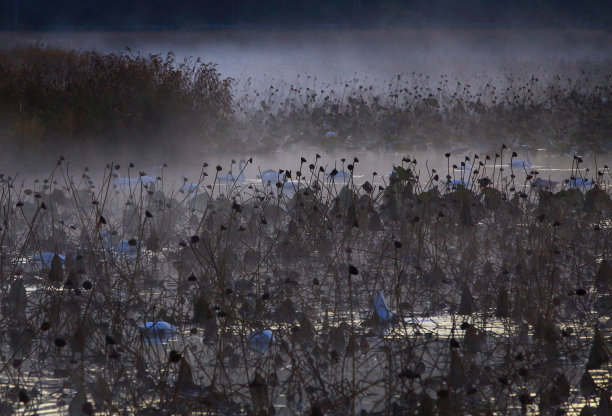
{"x": 280, "y": 62}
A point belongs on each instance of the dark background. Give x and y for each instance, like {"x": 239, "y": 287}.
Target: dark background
{"x": 42, "y": 15}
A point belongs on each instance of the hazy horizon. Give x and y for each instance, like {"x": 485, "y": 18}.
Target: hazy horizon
{"x": 340, "y": 60}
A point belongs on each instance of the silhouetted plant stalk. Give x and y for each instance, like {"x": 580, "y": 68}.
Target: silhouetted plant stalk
{"x": 499, "y": 292}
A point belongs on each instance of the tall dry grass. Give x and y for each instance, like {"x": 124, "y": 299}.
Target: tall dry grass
{"x": 54, "y": 99}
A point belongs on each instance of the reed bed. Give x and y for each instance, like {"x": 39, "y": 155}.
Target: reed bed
{"x": 54, "y": 98}
{"x": 409, "y": 293}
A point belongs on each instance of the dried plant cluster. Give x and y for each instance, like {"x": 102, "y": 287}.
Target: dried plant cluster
{"x": 413, "y": 110}
{"x": 54, "y": 98}
{"x": 122, "y": 296}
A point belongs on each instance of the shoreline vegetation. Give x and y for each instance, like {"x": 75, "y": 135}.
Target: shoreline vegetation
{"x": 56, "y": 99}
{"x": 64, "y": 101}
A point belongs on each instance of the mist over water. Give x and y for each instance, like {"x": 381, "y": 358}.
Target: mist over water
{"x": 427, "y": 289}
{"x": 265, "y": 64}
{"x": 374, "y": 57}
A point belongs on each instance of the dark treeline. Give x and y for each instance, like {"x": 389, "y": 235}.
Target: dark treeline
{"x": 191, "y": 14}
